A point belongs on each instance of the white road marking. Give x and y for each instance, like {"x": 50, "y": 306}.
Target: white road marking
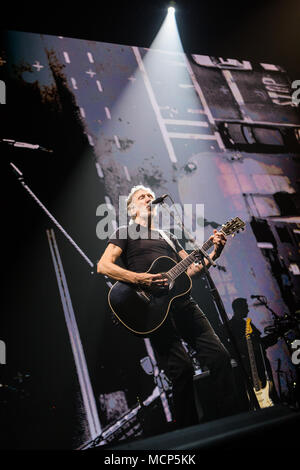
{"x": 99, "y": 170}
{"x": 107, "y": 112}
{"x": 196, "y": 111}
{"x": 38, "y": 66}
{"x": 155, "y": 106}
{"x": 203, "y": 60}
{"x": 99, "y": 85}
{"x": 185, "y": 85}
{"x": 164, "y": 51}
{"x": 206, "y": 109}
{"x": 90, "y": 57}
{"x": 269, "y": 66}
{"x": 117, "y": 141}
{"x": 185, "y": 122}
{"x": 233, "y": 87}
{"x": 184, "y": 135}
{"x": 91, "y": 73}
{"x": 74, "y": 83}
{"x": 199, "y": 92}
{"x": 127, "y": 173}
{"x": 67, "y": 58}
{"x": 219, "y": 140}
{"x": 91, "y": 141}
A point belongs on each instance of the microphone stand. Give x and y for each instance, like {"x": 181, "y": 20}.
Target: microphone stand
{"x": 20, "y": 177}
{"x": 219, "y": 304}
{"x": 263, "y": 301}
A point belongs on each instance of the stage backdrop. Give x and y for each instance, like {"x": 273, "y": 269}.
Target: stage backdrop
{"x": 221, "y": 136}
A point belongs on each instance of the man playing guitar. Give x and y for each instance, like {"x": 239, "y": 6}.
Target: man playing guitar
{"x": 185, "y": 319}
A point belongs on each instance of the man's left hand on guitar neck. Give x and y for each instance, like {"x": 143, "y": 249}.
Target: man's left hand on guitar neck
{"x": 219, "y": 242}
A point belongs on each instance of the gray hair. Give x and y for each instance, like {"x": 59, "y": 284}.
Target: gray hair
{"x": 130, "y": 205}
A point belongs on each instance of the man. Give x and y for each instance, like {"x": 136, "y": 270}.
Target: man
{"x": 185, "y": 320}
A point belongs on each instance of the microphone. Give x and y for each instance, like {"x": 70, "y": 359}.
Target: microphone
{"x": 25, "y": 145}
{"x": 160, "y": 199}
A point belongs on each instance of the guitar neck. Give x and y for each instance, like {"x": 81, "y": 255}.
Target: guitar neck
{"x": 255, "y": 378}
{"x": 182, "y": 266}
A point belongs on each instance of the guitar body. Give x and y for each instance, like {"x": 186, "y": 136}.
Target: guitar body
{"x": 263, "y": 396}
{"x": 144, "y": 310}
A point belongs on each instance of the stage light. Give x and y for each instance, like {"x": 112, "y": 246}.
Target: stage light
{"x": 171, "y": 8}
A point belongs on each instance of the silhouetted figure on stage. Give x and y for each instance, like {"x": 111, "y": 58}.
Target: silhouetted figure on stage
{"x": 237, "y": 325}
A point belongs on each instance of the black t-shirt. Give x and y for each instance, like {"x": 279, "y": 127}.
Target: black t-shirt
{"x": 141, "y": 246}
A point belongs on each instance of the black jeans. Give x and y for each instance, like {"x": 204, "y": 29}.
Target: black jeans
{"x": 188, "y": 322}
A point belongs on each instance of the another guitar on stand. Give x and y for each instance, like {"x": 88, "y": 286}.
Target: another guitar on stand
{"x": 262, "y": 393}
{"x": 144, "y": 310}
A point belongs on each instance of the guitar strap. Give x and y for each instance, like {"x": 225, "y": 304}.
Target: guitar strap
{"x": 167, "y": 239}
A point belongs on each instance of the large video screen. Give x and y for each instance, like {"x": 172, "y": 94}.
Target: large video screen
{"x": 82, "y": 123}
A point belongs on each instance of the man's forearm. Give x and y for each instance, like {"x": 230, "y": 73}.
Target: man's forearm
{"x": 116, "y": 272}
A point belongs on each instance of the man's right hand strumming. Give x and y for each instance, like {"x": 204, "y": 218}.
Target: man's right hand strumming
{"x": 107, "y": 266}
{"x": 147, "y": 279}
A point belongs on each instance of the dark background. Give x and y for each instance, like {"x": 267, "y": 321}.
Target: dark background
{"x": 266, "y": 31}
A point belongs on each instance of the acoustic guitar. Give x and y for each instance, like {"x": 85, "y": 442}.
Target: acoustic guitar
{"x": 142, "y": 310}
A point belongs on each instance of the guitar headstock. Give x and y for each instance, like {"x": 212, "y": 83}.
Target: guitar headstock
{"x": 248, "y": 328}
{"x": 233, "y": 226}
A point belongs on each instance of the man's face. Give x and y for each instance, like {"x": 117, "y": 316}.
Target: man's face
{"x": 141, "y": 200}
